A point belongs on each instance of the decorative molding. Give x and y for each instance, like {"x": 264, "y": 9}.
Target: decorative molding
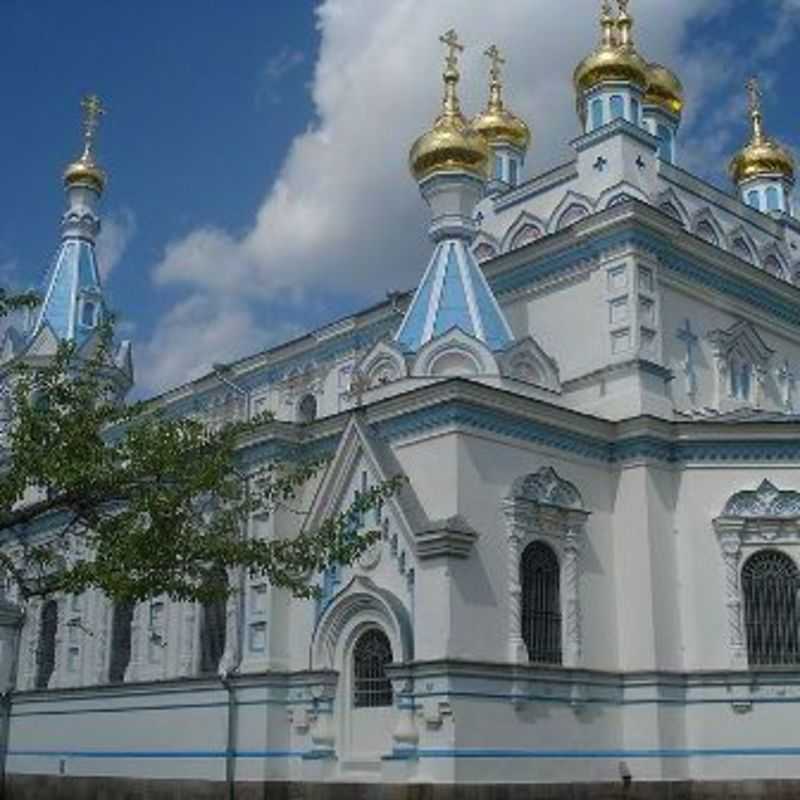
{"x": 764, "y": 517}
{"x": 543, "y": 505}
{"x": 450, "y": 538}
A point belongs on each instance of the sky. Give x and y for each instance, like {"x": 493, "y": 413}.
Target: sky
{"x": 257, "y": 150}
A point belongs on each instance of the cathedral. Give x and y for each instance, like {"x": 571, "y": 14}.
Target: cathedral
{"x": 588, "y": 586}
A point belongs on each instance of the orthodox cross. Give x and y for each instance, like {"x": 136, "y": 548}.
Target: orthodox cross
{"x": 754, "y": 93}
{"x": 450, "y": 40}
{"x": 623, "y": 7}
{"x": 92, "y": 111}
{"x": 689, "y": 338}
{"x": 359, "y": 383}
{"x": 497, "y": 62}
{"x": 789, "y": 381}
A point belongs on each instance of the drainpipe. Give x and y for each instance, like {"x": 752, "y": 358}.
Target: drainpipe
{"x": 230, "y": 745}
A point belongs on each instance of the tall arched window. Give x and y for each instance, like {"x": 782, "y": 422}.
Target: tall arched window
{"x": 617, "y": 106}
{"x": 541, "y": 604}
{"x": 371, "y": 687}
{"x": 213, "y": 624}
{"x": 46, "y": 651}
{"x": 665, "y": 150}
{"x": 770, "y": 583}
{"x": 120, "y": 641}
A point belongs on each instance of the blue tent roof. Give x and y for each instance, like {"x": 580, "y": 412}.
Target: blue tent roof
{"x": 73, "y": 301}
{"x": 454, "y": 294}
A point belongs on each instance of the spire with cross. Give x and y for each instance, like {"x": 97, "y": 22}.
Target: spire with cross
{"x": 754, "y": 95}
{"x": 451, "y": 104}
{"x": 93, "y": 110}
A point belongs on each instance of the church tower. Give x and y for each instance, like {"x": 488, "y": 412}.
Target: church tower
{"x": 451, "y": 164}
{"x": 612, "y": 80}
{"x": 73, "y": 308}
{"x": 73, "y": 305}
{"x": 763, "y": 170}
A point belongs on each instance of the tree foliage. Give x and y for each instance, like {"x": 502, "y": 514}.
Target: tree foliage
{"x": 125, "y": 498}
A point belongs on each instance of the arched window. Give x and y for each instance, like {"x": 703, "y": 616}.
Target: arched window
{"x": 617, "y": 106}
{"x": 525, "y": 235}
{"x": 307, "y": 409}
{"x": 770, "y": 583}
{"x": 541, "y": 604}
{"x": 88, "y": 314}
{"x": 46, "y": 651}
{"x": 773, "y": 199}
{"x": 754, "y": 200}
{"x": 120, "y": 641}
{"x": 498, "y": 167}
{"x": 513, "y": 171}
{"x": 213, "y": 624}
{"x": 597, "y": 114}
{"x": 371, "y": 687}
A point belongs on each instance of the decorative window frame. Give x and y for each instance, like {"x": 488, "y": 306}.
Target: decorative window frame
{"x": 739, "y": 345}
{"x": 751, "y": 521}
{"x": 544, "y": 507}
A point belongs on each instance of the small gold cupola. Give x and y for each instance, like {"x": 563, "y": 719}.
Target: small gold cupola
{"x": 451, "y": 145}
{"x": 762, "y": 157}
{"x": 85, "y": 172}
{"x": 664, "y": 89}
{"x": 497, "y": 124}
{"x": 615, "y": 59}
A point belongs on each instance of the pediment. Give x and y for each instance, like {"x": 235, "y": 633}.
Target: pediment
{"x": 765, "y": 502}
{"x": 454, "y": 354}
{"x": 44, "y": 343}
{"x": 361, "y": 460}
{"x": 527, "y": 361}
{"x": 525, "y": 229}
{"x": 741, "y": 337}
{"x": 385, "y": 363}
{"x": 572, "y": 207}
{"x": 669, "y": 202}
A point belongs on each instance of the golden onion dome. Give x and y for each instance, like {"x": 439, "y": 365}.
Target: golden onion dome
{"x": 615, "y": 59}
{"x": 85, "y": 171}
{"x": 497, "y": 124}
{"x": 451, "y": 145}
{"x": 762, "y": 156}
{"x": 664, "y": 89}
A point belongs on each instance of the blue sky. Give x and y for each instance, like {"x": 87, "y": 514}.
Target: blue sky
{"x": 256, "y": 149}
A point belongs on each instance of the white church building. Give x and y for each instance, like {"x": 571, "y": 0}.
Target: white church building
{"x": 590, "y": 580}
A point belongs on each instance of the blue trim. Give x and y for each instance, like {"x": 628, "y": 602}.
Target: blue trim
{"x": 154, "y": 753}
{"x": 615, "y": 754}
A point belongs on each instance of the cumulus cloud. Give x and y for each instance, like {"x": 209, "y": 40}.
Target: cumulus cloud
{"x": 343, "y": 215}
{"x": 115, "y": 235}
{"x": 200, "y": 331}
{"x": 344, "y": 207}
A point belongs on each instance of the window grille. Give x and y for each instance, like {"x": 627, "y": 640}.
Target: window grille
{"x": 120, "y": 641}
{"x": 371, "y": 687}
{"x": 46, "y": 651}
{"x": 541, "y": 604}
{"x": 770, "y": 583}
{"x": 213, "y": 629}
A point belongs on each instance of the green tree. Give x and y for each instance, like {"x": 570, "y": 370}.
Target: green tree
{"x": 95, "y": 493}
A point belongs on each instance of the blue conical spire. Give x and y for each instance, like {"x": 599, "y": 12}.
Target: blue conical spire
{"x": 454, "y": 294}
{"x": 73, "y": 304}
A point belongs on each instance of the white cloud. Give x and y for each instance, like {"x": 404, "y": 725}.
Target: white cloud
{"x": 198, "y": 332}
{"x": 344, "y": 210}
{"x": 117, "y": 230}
